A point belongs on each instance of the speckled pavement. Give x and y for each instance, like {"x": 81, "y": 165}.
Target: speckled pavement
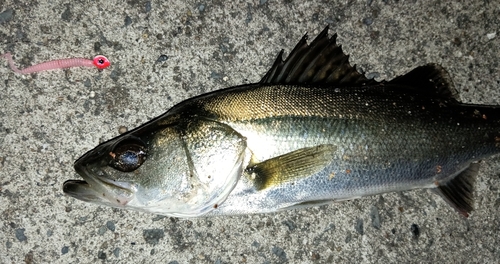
{"x": 48, "y": 120}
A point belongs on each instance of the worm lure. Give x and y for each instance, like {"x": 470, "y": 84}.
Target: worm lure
{"x": 99, "y": 61}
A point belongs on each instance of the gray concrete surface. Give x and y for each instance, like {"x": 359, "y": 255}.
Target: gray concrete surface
{"x": 48, "y": 120}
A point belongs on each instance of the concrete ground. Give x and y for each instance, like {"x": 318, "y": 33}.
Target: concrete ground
{"x": 48, "y": 120}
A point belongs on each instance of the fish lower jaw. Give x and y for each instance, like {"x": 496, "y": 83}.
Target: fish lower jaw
{"x": 95, "y": 193}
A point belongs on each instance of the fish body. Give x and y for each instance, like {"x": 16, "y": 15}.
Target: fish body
{"x": 311, "y": 132}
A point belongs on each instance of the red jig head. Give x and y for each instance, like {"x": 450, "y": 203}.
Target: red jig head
{"x": 101, "y": 62}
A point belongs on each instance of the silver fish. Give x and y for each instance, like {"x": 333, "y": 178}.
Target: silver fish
{"x": 311, "y": 132}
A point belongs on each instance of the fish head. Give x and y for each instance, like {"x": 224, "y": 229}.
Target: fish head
{"x": 173, "y": 171}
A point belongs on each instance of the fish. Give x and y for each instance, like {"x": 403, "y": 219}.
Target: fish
{"x": 312, "y": 131}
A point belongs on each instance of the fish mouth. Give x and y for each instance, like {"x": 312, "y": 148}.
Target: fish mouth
{"x": 80, "y": 190}
{"x": 97, "y": 189}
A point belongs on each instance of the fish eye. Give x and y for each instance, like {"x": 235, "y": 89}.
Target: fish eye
{"x": 128, "y": 155}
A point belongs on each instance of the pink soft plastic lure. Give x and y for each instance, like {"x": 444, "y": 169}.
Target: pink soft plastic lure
{"x": 99, "y": 61}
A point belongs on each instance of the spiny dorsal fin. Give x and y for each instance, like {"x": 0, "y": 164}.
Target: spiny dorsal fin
{"x": 321, "y": 63}
{"x": 458, "y": 191}
{"x": 430, "y": 78}
{"x": 291, "y": 166}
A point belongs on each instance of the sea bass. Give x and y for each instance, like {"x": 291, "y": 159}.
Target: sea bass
{"x": 313, "y": 131}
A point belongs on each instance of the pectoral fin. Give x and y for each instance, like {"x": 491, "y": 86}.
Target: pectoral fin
{"x": 292, "y": 166}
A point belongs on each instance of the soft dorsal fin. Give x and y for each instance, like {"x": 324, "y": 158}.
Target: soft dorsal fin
{"x": 430, "y": 78}
{"x": 321, "y": 63}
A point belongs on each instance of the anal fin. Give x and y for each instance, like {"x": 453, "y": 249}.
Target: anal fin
{"x": 291, "y": 166}
{"x": 458, "y": 191}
